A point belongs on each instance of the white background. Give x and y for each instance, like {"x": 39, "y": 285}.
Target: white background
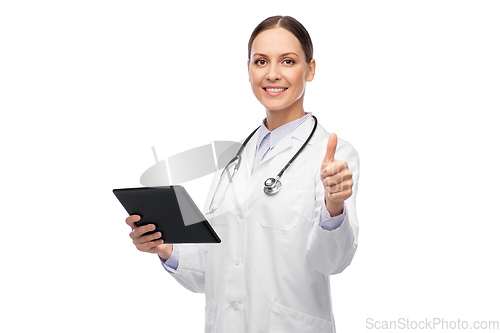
{"x": 87, "y": 87}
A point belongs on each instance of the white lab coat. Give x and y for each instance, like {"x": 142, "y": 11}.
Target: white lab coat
{"x": 271, "y": 271}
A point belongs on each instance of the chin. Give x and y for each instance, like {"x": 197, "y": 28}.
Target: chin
{"x": 276, "y": 106}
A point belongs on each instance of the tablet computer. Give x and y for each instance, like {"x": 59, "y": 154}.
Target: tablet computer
{"x": 171, "y": 210}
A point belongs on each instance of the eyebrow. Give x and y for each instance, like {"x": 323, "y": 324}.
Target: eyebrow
{"x": 281, "y": 55}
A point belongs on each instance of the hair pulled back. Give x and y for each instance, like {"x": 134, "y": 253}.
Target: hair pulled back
{"x": 290, "y": 24}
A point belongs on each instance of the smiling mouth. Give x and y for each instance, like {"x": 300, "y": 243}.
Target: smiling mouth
{"x": 275, "y": 90}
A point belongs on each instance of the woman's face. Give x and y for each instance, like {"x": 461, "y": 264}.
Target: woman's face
{"x": 278, "y": 70}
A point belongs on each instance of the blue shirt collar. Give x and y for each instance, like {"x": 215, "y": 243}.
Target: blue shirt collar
{"x": 279, "y": 133}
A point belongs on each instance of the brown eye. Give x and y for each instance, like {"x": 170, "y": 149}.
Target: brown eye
{"x": 289, "y": 61}
{"x": 260, "y": 62}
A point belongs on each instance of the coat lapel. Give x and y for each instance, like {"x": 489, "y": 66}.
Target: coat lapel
{"x": 293, "y": 140}
{"x": 301, "y": 133}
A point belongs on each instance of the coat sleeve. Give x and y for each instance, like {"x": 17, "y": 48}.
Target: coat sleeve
{"x": 191, "y": 270}
{"x": 330, "y": 252}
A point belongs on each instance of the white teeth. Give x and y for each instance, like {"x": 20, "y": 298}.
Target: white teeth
{"x": 275, "y": 89}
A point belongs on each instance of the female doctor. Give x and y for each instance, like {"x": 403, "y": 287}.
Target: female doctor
{"x": 283, "y": 232}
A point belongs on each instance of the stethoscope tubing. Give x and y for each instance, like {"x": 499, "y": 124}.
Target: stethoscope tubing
{"x": 273, "y": 185}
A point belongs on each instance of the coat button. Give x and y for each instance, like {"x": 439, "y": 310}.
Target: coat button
{"x": 235, "y": 305}
{"x": 238, "y": 261}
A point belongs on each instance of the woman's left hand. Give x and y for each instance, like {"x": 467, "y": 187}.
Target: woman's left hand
{"x": 337, "y": 179}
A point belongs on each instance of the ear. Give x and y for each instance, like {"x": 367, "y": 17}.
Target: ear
{"x": 311, "y": 70}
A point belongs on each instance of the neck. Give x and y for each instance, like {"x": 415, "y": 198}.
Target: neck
{"x": 277, "y": 118}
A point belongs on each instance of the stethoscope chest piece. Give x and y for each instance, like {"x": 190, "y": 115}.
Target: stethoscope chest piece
{"x": 271, "y": 186}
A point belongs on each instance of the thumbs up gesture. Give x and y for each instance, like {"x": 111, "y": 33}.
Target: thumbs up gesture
{"x": 337, "y": 179}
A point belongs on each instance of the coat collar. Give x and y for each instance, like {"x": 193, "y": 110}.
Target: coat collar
{"x": 279, "y": 133}
{"x": 242, "y": 183}
{"x": 300, "y": 134}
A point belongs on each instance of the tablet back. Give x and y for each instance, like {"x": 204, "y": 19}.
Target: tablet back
{"x": 171, "y": 210}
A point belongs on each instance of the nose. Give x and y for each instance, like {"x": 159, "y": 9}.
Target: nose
{"x": 273, "y": 73}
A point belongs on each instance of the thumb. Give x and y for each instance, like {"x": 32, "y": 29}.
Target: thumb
{"x": 330, "y": 149}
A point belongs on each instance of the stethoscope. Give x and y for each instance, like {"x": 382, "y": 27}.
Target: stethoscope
{"x": 271, "y": 185}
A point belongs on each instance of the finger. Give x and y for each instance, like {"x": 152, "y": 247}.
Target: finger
{"x": 139, "y": 231}
{"x": 338, "y": 178}
{"x": 339, "y": 196}
{"x": 145, "y": 247}
{"x": 147, "y": 238}
{"x": 131, "y": 220}
{"x": 330, "y": 149}
{"x": 333, "y": 168}
{"x": 336, "y": 188}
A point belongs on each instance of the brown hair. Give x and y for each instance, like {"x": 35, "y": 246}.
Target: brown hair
{"x": 290, "y": 24}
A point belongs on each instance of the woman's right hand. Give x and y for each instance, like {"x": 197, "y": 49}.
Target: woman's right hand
{"x": 148, "y": 243}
